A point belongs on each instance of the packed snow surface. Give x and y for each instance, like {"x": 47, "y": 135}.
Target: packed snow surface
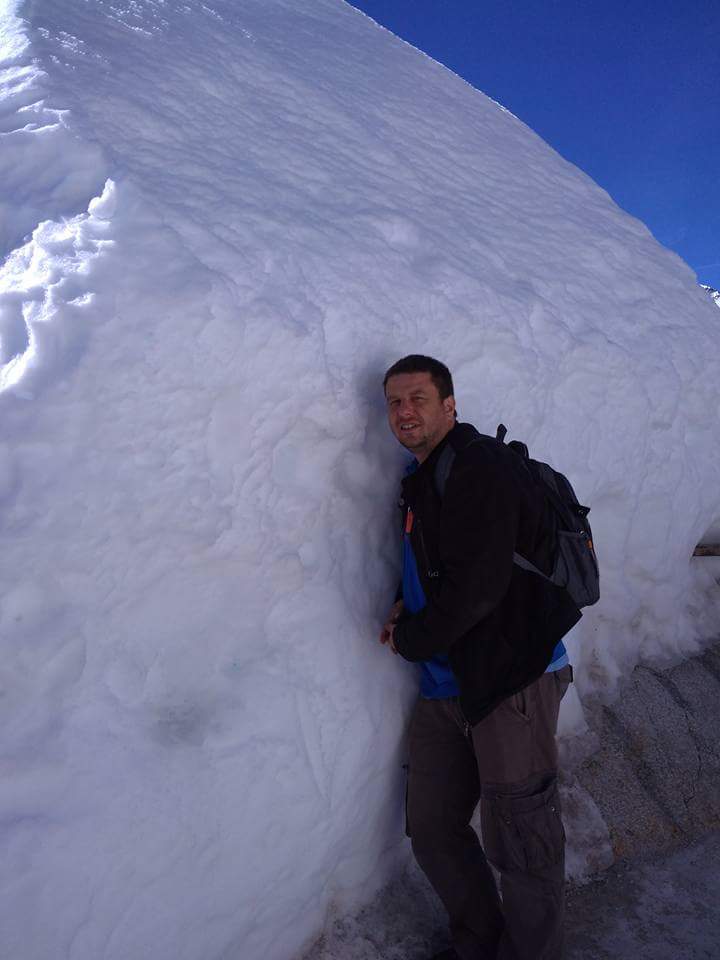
{"x": 219, "y": 223}
{"x": 664, "y": 908}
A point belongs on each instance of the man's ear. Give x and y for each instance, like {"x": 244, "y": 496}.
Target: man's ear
{"x": 449, "y": 404}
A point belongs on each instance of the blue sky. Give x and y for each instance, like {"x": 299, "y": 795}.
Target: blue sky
{"x": 628, "y": 91}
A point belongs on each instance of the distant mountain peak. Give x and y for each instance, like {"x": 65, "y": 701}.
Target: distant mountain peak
{"x": 715, "y": 294}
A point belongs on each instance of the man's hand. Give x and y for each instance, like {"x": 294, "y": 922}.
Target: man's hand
{"x": 386, "y": 634}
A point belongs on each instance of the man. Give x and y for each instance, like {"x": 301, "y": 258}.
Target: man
{"x": 487, "y": 634}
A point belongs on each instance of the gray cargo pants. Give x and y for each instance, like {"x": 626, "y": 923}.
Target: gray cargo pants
{"x": 509, "y": 762}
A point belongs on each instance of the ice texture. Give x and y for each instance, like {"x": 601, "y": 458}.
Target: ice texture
{"x": 219, "y": 223}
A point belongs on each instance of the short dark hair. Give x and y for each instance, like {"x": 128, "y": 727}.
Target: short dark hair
{"x": 417, "y": 363}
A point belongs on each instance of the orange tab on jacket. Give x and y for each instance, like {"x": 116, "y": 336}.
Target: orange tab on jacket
{"x": 409, "y": 521}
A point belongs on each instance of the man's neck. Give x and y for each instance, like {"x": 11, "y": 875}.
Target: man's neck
{"x": 421, "y": 458}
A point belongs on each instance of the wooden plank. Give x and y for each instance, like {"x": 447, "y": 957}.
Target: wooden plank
{"x": 707, "y": 550}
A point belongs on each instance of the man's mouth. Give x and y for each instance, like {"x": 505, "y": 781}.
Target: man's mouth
{"x": 408, "y": 426}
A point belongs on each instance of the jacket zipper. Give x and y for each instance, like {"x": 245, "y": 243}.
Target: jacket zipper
{"x": 432, "y": 575}
{"x": 433, "y": 578}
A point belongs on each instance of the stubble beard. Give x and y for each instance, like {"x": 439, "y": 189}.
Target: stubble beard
{"x": 423, "y": 445}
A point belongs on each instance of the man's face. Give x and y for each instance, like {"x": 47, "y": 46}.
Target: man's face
{"x": 416, "y": 414}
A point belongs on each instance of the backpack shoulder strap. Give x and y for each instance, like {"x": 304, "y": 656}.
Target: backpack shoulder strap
{"x": 443, "y": 468}
{"x": 521, "y": 561}
{"x": 447, "y": 459}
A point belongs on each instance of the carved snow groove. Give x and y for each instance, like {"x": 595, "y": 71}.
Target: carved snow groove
{"x": 656, "y": 775}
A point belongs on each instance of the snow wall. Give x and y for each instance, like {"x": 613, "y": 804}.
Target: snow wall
{"x": 219, "y": 223}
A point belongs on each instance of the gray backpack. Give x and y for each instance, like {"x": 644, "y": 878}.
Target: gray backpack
{"x": 575, "y": 565}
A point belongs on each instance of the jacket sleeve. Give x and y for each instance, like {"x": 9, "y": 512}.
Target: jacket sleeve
{"x": 478, "y": 528}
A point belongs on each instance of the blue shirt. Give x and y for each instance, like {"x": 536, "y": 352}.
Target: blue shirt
{"x": 437, "y": 681}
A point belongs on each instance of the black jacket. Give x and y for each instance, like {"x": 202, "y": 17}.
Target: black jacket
{"x": 497, "y": 622}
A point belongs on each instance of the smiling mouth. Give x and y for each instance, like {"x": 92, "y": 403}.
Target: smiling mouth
{"x": 406, "y": 427}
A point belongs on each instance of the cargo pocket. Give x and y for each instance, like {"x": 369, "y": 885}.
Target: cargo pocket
{"x": 525, "y": 833}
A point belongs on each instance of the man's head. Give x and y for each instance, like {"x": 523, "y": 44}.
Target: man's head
{"x": 420, "y": 403}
